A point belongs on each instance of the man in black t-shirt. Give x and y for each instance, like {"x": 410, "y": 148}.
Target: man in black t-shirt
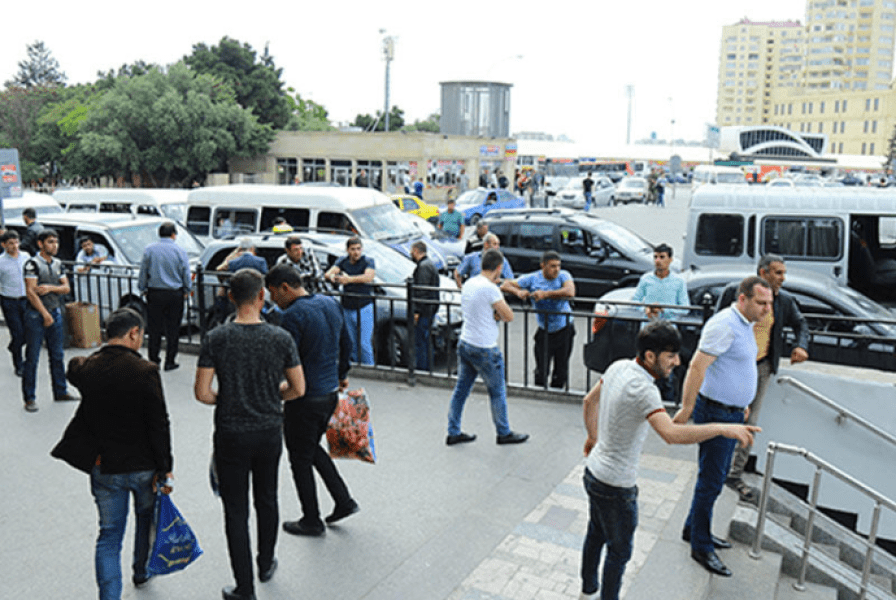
{"x": 587, "y": 186}
{"x": 355, "y": 272}
{"x": 249, "y": 358}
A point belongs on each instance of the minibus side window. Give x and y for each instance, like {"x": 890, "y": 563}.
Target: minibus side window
{"x": 296, "y": 217}
{"x": 232, "y": 222}
{"x": 802, "y": 237}
{"x": 197, "y": 219}
{"x": 720, "y": 235}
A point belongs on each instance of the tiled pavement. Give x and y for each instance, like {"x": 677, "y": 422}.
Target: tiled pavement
{"x": 539, "y": 560}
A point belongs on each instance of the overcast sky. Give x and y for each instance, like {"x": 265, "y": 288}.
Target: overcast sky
{"x": 577, "y": 57}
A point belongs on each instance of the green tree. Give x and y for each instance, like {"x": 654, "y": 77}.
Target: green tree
{"x": 256, "y": 83}
{"x": 308, "y": 115}
{"x": 377, "y": 123}
{"x": 165, "y": 129}
{"x": 56, "y": 140}
{"x": 430, "y": 124}
{"x": 20, "y": 108}
{"x": 39, "y": 70}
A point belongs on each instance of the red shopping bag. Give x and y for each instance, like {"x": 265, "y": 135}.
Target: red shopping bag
{"x": 350, "y": 432}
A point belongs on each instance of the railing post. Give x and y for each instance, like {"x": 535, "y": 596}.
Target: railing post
{"x": 800, "y": 584}
{"x": 412, "y": 333}
{"x": 872, "y": 539}
{"x": 756, "y": 551}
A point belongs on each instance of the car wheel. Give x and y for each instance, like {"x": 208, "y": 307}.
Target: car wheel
{"x": 475, "y": 219}
{"x": 396, "y": 347}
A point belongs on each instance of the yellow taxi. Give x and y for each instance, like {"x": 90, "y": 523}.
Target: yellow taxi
{"x": 416, "y": 206}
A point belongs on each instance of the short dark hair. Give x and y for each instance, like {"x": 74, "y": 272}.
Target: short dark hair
{"x": 663, "y": 248}
{"x": 245, "y": 285}
{"x": 291, "y": 241}
{"x": 352, "y": 241}
{"x": 658, "y": 336}
{"x": 86, "y": 238}
{"x": 766, "y": 261}
{"x": 284, "y": 274}
{"x": 167, "y": 229}
{"x": 45, "y": 233}
{"x": 747, "y": 287}
{"x": 419, "y": 246}
{"x": 492, "y": 259}
{"x": 122, "y": 321}
{"x": 11, "y": 234}
{"x": 550, "y": 255}
{"x": 30, "y": 213}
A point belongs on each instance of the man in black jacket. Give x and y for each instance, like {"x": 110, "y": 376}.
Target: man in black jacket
{"x": 120, "y": 435}
{"x": 770, "y": 341}
{"x": 425, "y": 304}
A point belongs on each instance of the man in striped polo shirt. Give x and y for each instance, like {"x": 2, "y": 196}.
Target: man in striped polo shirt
{"x": 719, "y": 386}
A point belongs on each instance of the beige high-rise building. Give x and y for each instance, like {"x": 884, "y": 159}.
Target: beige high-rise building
{"x": 757, "y": 57}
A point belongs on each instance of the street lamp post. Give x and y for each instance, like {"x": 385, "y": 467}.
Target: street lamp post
{"x": 388, "y": 55}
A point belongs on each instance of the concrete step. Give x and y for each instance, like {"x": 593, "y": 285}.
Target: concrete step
{"x": 756, "y": 579}
{"x": 813, "y": 591}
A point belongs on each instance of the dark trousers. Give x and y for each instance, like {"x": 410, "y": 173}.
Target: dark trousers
{"x": 236, "y": 456}
{"x": 422, "y": 347}
{"x": 164, "y": 312}
{"x": 305, "y": 421}
{"x": 553, "y": 347}
{"x": 613, "y": 518}
{"x": 14, "y": 315}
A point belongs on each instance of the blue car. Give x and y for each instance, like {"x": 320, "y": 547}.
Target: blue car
{"x": 475, "y": 204}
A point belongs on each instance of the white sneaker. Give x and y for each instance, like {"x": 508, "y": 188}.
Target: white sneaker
{"x": 593, "y": 596}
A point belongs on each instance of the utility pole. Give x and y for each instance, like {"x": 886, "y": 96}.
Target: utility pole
{"x": 388, "y": 55}
{"x": 630, "y": 94}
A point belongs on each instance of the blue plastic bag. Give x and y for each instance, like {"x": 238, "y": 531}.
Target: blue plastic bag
{"x": 175, "y": 545}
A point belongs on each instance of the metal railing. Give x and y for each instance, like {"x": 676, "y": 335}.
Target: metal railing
{"x": 880, "y": 501}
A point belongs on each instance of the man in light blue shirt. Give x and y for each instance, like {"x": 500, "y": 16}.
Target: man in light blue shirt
{"x": 12, "y": 295}
{"x": 165, "y": 281}
{"x": 720, "y": 384}
{"x": 662, "y": 287}
{"x": 550, "y": 290}
{"x": 452, "y": 221}
{"x": 472, "y": 263}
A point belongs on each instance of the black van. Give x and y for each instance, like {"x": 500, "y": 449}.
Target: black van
{"x": 599, "y": 254}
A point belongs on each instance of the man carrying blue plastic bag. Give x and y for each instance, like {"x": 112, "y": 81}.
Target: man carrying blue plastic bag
{"x": 121, "y": 436}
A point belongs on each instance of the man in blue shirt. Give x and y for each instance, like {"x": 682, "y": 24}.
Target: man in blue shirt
{"x": 720, "y": 384}
{"x": 662, "y": 287}
{"x": 165, "y": 281}
{"x": 452, "y": 221}
{"x": 355, "y": 272}
{"x": 12, "y": 295}
{"x": 319, "y": 330}
{"x": 472, "y": 263}
{"x": 550, "y": 290}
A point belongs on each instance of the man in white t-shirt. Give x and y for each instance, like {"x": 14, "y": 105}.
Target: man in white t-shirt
{"x": 617, "y": 411}
{"x": 478, "y": 354}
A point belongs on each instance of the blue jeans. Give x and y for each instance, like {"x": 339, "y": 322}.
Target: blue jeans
{"x": 111, "y": 493}
{"x": 35, "y": 334}
{"x": 14, "y": 315}
{"x": 712, "y": 468}
{"x": 612, "y": 522}
{"x": 365, "y": 316}
{"x": 488, "y": 363}
{"x": 587, "y": 201}
{"x": 422, "y": 349}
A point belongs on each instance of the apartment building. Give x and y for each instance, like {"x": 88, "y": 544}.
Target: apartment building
{"x": 755, "y": 58}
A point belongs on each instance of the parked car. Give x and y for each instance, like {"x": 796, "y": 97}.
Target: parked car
{"x": 169, "y": 203}
{"x": 391, "y": 325}
{"x": 832, "y": 340}
{"x": 599, "y": 254}
{"x": 43, "y": 204}
{"x": 631, "y": 189}
{"x": 780, "y": 182}
{"x": 125, "y": 237}
{"x": 475, "y": 204}
{"x": 416, "y": 206}
{"x": 573, "y": 196}
{"x": 851, "y": 180}
{"x": 808, "y": 180}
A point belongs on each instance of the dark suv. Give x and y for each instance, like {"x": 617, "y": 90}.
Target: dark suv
{"x": 599, "y": 254}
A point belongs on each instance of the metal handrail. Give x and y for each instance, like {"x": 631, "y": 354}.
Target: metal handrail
{"x": 880, "y": 501}
{"x": 842, "y": 413}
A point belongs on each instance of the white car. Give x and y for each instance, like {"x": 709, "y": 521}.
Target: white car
{"x": 573, "y": 195}
{"x": 781, "y": 182}
{"x": 632, "y": 189}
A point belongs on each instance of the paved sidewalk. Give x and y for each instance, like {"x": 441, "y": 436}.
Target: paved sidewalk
{"x": 474, "y": 521}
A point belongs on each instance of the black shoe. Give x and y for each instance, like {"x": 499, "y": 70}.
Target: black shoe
{"x": 711, "y": 563}
{"x": 140, "y": 580}
{"x": 231, "y": 592}
{"x": 341, "y": 512}
{"x": 460, "y": 438}
{"x": 264, "y": 575}
{"x": 171, "y": 366}
{"x": 718, "y": 543}
{"x": 513, "y": 438}
{"x": 66, "y": 397}
{"x": 302, "y": 528}
{"x": 19, "y": 371}
{"x": 31, "y": 406}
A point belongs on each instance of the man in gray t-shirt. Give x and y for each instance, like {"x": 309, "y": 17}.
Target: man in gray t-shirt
{"x": 617, "y": 412}
{"x": 249, "y": 358}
